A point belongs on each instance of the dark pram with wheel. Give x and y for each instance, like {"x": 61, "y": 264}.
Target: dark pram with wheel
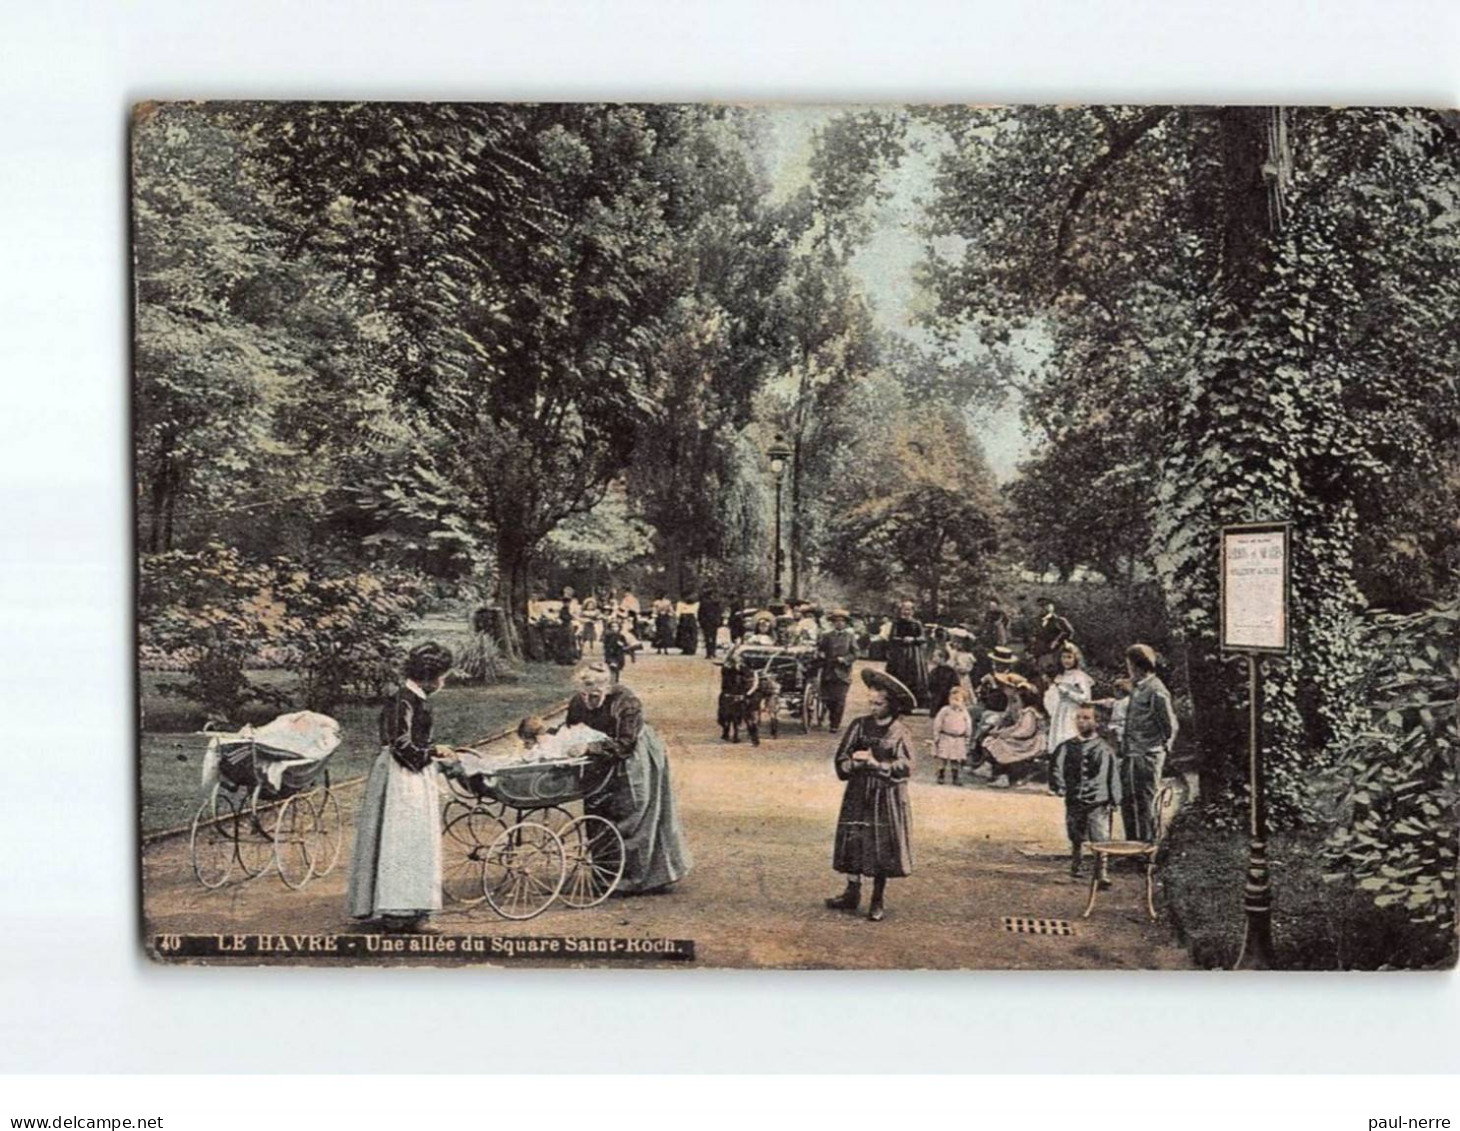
{"x": 268, "y": 804}
{"x": 510, "y": 839}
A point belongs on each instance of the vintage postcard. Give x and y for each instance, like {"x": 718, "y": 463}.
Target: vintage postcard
{"x": 895, "y": 537}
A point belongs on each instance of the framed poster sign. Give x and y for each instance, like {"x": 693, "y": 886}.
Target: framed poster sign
{"x": 1255, "y": 585}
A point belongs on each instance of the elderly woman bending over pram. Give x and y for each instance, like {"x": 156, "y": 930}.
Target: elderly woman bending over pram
{"x": 638, "y": 798}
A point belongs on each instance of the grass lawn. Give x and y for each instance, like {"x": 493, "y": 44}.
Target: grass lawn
{"x": 172, "y": 751}
{"x": 1316, "y": 924}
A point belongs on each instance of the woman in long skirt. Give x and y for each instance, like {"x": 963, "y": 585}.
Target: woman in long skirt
{"x": 907, "y": 655}
{"x": 874, "y": 828}
{"x": 663, "y": 625}
{"x": 687, "y": 630}
{"x": 639, "y": 798}
{"x": 395, "y": 874}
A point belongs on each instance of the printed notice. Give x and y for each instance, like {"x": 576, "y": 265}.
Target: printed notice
{"x": 1255, "y": 588}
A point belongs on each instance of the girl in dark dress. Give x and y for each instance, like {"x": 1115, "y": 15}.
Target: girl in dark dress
{"x": 874, "y": 828}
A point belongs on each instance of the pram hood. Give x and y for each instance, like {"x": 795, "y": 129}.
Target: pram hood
{"x": 295, "y": 739}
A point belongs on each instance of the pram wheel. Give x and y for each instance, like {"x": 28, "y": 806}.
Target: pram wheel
{"x": 293, "y": 832}
{"x": 594, "y": 852}
{"x": 810, "y": 700}
{"x": 523, "y": 871}
{"x": 256, "y": 835}
{"x": 329, "y": 832}
{"x": 214, "y": 839}
{"x": 463, "y": 853}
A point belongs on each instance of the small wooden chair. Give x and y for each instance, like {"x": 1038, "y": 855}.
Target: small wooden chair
{"x": 1134, "y": 849}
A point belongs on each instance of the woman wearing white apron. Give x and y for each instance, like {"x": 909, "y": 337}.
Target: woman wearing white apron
{"x": 395, "y": 875}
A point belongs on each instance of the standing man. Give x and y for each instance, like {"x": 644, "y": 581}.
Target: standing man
{"x": 838, "y": 651}
{"x": 1050, "y": 636}
{"x": 995, "y": 624}
{"x": 1150, "y": 729}
{"x": 711, "y": 614}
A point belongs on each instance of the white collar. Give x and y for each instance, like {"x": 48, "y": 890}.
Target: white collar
{"x": 413, "y": 686}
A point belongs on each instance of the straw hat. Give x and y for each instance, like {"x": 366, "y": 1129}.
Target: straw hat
{"x": 893, "y": 687}
{"x": 1003, "y": 655}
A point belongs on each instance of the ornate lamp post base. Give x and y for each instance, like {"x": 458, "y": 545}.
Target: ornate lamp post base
{"x": 1256, "y": 952}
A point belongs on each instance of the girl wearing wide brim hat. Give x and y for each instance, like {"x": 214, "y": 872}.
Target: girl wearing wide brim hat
{"x": 874, "y": 827}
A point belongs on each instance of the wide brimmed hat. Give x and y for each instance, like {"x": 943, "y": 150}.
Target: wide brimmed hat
{"x": 842, "y": 613}
{"x": 960, "y": 633}
{"x": 894, "y": 687}
{"x": 1003, "y": 655}
{"x": 1016, "y": 681}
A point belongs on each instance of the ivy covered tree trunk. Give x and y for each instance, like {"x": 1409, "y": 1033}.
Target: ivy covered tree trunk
{"x": 1254, "y": 445}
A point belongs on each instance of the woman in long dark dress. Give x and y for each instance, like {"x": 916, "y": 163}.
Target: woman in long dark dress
{"x": 874, "y": 827}
{"x": 687, "y": 629}
{"x": 663, "y": 625}
{"x": 639, "y": 798}
{"x": 907, "y": 654}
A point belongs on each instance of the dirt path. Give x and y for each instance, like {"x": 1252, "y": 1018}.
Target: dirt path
{"x": 760, "y": 823}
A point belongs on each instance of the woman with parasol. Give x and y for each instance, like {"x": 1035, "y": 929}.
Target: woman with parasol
{"x": 874, "y": 827}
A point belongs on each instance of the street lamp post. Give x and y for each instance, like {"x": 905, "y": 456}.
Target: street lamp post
{"x": 779, "y": 454}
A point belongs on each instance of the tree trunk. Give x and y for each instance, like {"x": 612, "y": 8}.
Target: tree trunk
{"x": 513, "y": 589}
{"x": 1248, "y": 221}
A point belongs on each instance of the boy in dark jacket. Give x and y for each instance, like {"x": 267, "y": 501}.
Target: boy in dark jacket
{"x": 1086, "y": 775}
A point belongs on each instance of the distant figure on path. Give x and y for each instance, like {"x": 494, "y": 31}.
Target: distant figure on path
{"x": 952, "y": 732}
{"x": 711, "y": 614}
{"x": 663, "y": 611}
{"x": 1070, "y": 689}
{"x": 838, "y": 652}
{"x": 907, "y": 654}
{"x": 1050, "y": 635}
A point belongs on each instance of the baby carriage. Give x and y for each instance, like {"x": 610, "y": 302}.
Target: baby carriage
{"x": 509, "y": 838}
{"x": 268, "y": 803}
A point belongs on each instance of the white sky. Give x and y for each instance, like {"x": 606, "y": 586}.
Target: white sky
{"x": 885, "y": 266}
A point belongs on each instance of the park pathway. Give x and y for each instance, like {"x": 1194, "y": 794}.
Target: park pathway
{"x": 760, "y": 823}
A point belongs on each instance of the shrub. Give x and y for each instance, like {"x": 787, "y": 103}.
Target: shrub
{"x": 345, "y": 634}
{"x": 207, "y": 614}
{"x": 1397, "y": 840}
{"x": 479, "y": 657}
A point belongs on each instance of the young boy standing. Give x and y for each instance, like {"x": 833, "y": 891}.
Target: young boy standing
{"x": 1085, "y": 774}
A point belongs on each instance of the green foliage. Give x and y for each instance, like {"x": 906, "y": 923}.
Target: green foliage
{"x": 920, "y": 516}
{"x": 212, "y": 612}
{"x": 215, "y": 614}
{"x": 345, "y": 634}
{"x": 1401, "y": 816}
{"x": 479, "y": 657}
